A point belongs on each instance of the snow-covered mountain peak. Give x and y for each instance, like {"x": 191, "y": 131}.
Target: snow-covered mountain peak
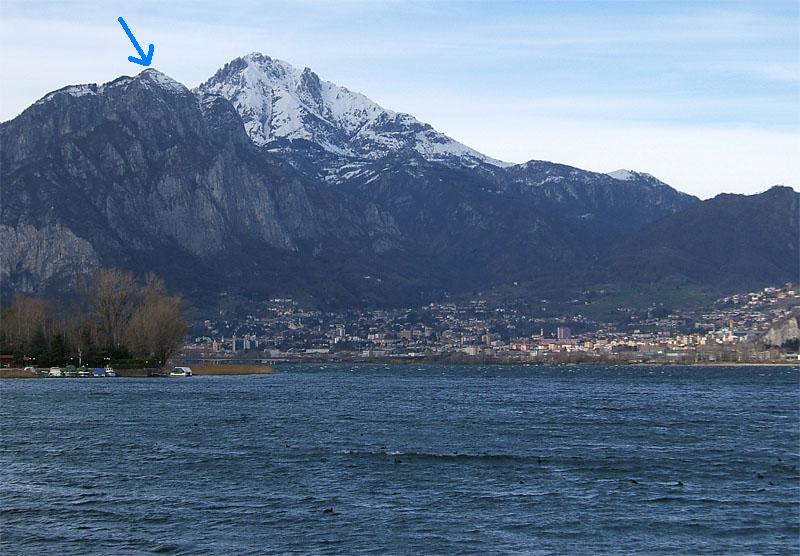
{"x": 162, "y": 80}
{"x": 631, "y": 175}
{"x": 149, "y": 78}
{"x": 640, "y": 177}
{"x": 278, "y": 101}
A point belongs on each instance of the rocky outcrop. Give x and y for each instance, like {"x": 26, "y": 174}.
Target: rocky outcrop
{"x": 34, "y": 256}
{"x": 782, "y": 332}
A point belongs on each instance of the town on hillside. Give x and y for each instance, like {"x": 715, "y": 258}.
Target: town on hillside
{"x": 754, "y": 327}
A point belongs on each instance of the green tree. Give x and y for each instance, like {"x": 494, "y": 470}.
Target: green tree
{"x": 39, "y": 348}
{"x": 58, "y": 350}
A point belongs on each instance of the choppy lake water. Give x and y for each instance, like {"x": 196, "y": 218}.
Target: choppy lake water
{"x": 535, "y": 460}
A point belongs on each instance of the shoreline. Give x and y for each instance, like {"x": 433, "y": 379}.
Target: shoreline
{"x": 199, "y": 370}
{"x": 404, "y": 363}
{"x": 245, "y": 370}
{"x": 536, "y": 363}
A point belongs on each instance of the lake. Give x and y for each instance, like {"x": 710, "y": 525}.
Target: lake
{"x": 428, "y": 459}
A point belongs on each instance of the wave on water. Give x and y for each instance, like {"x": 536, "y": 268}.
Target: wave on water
{"x": 448, "y": 456}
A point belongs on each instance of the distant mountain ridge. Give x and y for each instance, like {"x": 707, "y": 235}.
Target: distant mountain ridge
{"x": 622, "y": 205}
{"x": 732, "y": 241}
{"x": 268, "y": 181}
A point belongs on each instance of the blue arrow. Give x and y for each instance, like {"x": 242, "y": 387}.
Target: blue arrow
{"x": 142, "y": 60}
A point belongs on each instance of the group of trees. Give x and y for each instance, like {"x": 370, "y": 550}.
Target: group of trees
{"x": 111, "y": 318}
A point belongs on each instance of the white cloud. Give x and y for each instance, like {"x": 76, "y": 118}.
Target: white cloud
{"x": 771, "y": 70}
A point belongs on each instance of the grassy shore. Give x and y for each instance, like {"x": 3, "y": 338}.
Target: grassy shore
{"x": 225, "y": 369}
{"x": 16, "y": 373}
{"x": 204, "y": 370}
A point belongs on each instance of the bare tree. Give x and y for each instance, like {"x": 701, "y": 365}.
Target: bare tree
{"x": 146, "y": 321}
{"x": 157, "y": 327}
{"x": 23, "y": 319}
{"x": 113, "y": 296}
{"x": 154, "y": 285}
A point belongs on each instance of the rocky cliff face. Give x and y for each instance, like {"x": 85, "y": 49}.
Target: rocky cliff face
{"x": 33, "y": 257}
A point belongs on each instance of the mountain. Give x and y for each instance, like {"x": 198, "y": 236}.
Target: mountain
{"x": 342, "y": 138}
{"x": 267, "y": 181}
{"x": 144, "y": 174}
{"x": 730, "y": 242}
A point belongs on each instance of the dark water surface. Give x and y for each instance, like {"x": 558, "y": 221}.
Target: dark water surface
{"x": 412, "y": 460}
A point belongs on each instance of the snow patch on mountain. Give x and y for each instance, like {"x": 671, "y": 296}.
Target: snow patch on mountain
{"x": 622, "y": 175}
{"x": 73, "y": 90}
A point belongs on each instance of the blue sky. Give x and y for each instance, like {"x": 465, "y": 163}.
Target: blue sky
{"x": 704, "y": 95}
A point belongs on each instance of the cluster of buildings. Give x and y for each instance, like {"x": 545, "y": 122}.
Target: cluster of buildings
{"x": 282, "y": 330}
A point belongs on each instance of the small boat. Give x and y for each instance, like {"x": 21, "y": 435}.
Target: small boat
{"x": 55, "y": 372}
{"x": 181, "y": 372}
{"x": 109, "y": 371}
{"x": 84, "y": 372}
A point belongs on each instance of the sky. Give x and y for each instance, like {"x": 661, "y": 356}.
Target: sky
{"x": 703, "y": 95}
